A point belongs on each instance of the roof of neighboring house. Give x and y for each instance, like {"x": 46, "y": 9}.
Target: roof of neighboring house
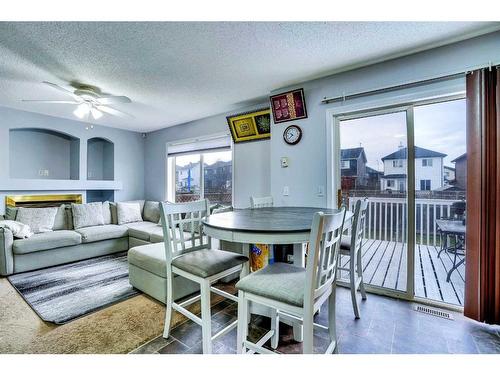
{"x": 419, "y": 153}
{"x": 370, "y": 170}
{"x": 397, "y": 175}
{"x": 450, "y": 168}
{"x": 352, "y": 153}
{"x": 463, "y": 156}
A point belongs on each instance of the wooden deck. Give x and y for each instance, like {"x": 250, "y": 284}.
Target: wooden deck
{"x": 384, "y": 265}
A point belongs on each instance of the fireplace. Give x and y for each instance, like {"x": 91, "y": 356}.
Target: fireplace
{"x": 53, "y": 200}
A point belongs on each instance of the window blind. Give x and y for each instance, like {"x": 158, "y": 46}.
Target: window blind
{"x": 199, "y": 145}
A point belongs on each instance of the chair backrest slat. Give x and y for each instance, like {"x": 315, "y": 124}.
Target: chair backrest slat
{"x": 321, "y": 269}
{"x": 182, "y": 227}
{"x": 358, "y": 225}
{"x": 261, "y": 202}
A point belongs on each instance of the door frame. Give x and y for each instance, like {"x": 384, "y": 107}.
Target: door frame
{"x": 333, "y": 118}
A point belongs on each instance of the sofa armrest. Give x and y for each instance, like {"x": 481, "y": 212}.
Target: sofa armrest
{"x": 6, "y": 255}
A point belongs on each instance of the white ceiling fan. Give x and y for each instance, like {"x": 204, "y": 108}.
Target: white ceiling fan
{"x": 89, "y": 101}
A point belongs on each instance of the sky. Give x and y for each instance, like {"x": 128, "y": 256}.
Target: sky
{"x": 209, "y": 158}
{"x": 439, "y": 127}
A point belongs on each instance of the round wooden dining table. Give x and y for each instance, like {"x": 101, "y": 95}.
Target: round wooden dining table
{"x": 270, "y": 225}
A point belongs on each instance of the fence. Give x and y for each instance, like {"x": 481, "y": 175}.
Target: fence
{"x": 214, "y": 197}
{"x": 386, "y": 218}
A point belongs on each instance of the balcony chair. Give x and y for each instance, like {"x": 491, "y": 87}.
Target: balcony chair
{"x": 261, "y": 202}
{"x": 189, "y": 254}
{"x": 351, "y": 247}
{"x": 294, "y": 292}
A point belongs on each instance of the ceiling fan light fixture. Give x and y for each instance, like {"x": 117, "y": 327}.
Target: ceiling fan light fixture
{"x": 96, "y": 114}
{"x": 81, "y": 111}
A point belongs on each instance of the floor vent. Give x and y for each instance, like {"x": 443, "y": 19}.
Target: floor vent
{"x": 434, "y": 312}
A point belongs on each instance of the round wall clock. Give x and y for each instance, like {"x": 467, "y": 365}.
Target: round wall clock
{"x": 292, "y": 134}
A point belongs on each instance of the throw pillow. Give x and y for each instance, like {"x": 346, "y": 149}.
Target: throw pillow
{"x": 19, "y": 230}
{"x": 114, "y": 214}
{"x": 40, "y": 220}
{"x": 87, "y": 215}
{"x": 152, "y": 211}
{"x": 60, "y": 220}
{"x": 10, "y": 213}
{"x": 128, "y": 212}
{"x": 106, "y": 213}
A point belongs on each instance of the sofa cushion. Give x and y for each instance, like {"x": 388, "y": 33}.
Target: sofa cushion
{"x": 106, "y": 213}
{"x": 60, "y": 222}
{"x": 142, "y": 229}
{"x": 150, "y": 258}
{"x": 10, "y": 213}
{"x": 46, "y": 241}
{"x": 87, "y": 215}
{"x": 157, "y": 235}
{"x": 40, "y": 219}
{"x": 102, "y": 232}
{"x": 128, "y": 212}
{"x": 151, "y": 211}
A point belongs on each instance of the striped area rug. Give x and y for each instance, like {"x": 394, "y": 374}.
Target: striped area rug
{"x": 62, "y": 293}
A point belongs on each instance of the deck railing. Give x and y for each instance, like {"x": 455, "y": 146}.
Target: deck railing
{"x": 386, "y": 218}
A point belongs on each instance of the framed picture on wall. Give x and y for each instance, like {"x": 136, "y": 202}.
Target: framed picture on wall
{"x": 250, "y": 126}
{"x": 289, "y": 106}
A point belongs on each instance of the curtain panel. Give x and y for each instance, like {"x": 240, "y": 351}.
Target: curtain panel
{"x": 482, "y": 288}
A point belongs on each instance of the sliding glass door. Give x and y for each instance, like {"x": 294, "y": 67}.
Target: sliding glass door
{"x": 374, "y": 165}
{"x": 440, "y": 182}
{"x": 410, "y": 163}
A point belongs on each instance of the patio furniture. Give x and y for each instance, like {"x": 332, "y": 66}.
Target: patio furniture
{"x": 351, "y": 247}
{"x": 188, "y": 254}
{"x": 271, "y": 225}
{"x": 295, "y": 292}
{"x": 455, "y": 229}
{"x": 261, "y": 202}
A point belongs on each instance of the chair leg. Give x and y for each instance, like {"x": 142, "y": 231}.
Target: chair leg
{"x": 360, "y": 275}
{"x": 242, "y": 332}
{"x": 307, "y": 332}
{"x": 206, "y": 318}
{"x": 332, "y": 329}
{"x": 275, "y": 325}
{"x": 352, "y": 285}
{"x": 168, "y": 309}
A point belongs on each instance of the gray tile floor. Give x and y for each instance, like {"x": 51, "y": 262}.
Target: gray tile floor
{"x": 386, "y": 326}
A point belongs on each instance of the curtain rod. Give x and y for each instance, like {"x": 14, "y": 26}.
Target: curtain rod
{"x": 391, "y": 88}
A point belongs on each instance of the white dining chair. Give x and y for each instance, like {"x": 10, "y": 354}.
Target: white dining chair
{"x": 188, "y": 254}
{"x": 294, "y": 292}
{"x": 350, "y": 246}
{"x": 261, "y": 202}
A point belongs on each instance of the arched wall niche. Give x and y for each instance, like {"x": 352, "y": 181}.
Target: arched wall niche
{"x": 37, "y": 153}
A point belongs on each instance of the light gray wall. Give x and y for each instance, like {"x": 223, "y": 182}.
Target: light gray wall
{"x": 251, "y": 159}
{"x": 33, "y": 150}
{"x": 128, "y": 150}
{"x": 308, "y": 159}
{"x": 100, "y": 159}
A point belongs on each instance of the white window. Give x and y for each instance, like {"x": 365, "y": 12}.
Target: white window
{"x": 344, "y": 164}
{"x": 390, "y": 183}
{"x": 397, "y": 163}
{"x": 201, "y": 169}
{"x": 426, "y": 162}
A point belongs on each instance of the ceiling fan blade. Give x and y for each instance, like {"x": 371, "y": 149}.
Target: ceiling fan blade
{"x": 113, "y": 100}
{"x": 51, "y": 101}
{"x": 62, "y": 89}
{"x": 114, "y": 112}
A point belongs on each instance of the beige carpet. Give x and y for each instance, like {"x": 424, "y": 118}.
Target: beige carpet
{"x": 116, "y": 329}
